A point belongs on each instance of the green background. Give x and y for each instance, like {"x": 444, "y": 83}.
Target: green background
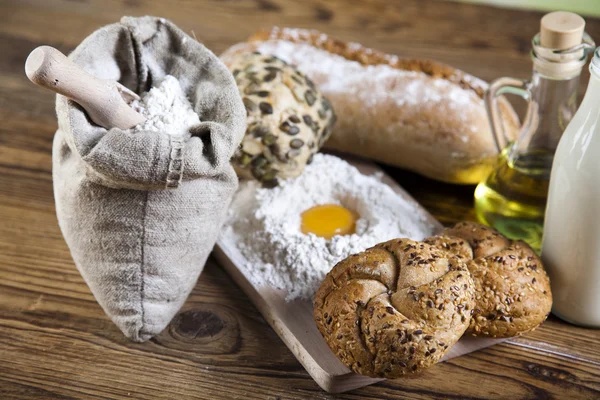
{"x": 583, "y": 7}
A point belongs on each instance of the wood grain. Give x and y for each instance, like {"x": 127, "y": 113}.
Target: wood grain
{"x": 55, "y": 341}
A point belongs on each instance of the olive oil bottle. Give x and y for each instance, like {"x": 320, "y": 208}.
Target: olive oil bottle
{"x": 513, "y": 197}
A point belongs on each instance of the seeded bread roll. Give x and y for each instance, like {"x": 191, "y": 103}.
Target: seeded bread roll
{"x": 512, "y": 290}
{"x": 288, "y": 118}
{"x": 415, "y": 114}
{"x": 394, "y": 308}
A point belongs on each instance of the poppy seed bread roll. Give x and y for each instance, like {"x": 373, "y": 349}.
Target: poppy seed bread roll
{"x": 415, "y": 114}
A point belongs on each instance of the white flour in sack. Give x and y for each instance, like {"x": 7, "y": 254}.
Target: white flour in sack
{"x": 166, "y": 109}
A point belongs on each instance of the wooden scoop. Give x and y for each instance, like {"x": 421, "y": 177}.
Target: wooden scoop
{"x": 105, "y": 101}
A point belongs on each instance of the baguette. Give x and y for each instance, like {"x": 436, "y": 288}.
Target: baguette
{"x": 419, "y": 115}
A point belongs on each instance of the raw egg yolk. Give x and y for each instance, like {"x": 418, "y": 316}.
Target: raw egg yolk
{"x": 328, "y": 220}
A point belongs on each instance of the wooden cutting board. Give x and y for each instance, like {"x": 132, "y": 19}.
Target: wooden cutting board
{"x": 293, "y": 321}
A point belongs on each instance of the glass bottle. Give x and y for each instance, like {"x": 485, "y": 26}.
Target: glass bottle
{"x": 571, "y": 244}
{"x": 513, "y": 197}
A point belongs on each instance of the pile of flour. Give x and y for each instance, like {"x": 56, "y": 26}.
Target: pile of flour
{"x": 166, "y": 109}
{"x": 264, "y": 224}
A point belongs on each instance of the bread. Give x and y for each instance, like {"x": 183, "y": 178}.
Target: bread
{"x": 512, "y": 288}
{"x": 399, "y": 306}
{"x": 415, "y": 114}
{"x": 288, "y": 118}
{"x": 395, "y": 308}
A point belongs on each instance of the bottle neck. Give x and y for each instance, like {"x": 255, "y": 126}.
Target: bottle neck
{"x": 552, "y": 87}
{"x": 594, "y": 83}
{"x": 560, "y": 64}
{"x": 553, "y": 104}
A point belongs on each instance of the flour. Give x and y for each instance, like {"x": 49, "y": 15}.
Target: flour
{"x": 334, "y": 73}
{"x": 166, "y": 109}
{"x": 264, "y": 224}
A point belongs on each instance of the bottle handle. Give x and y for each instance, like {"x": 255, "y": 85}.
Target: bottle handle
{"x": 497, "y": 88}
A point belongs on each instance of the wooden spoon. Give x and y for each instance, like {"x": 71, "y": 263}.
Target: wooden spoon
{"x": 104, "y": 100}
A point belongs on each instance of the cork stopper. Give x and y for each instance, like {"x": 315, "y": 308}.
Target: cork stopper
{"x": 561, "y": 30}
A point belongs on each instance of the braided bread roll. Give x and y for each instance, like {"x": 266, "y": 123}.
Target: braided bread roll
{"x": 512, "y": 289}
{"x": 395, "y": 308}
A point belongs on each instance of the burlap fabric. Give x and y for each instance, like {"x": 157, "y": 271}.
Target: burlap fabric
{"x": 141, "y": 211}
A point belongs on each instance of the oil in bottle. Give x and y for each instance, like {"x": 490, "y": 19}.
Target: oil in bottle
{"x": 513, "y": 198}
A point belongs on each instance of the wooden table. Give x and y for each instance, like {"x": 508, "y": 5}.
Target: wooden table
{"x": 55, "y": 341}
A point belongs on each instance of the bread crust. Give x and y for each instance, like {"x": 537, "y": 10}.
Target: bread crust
{"x": 440, "y": 132}
{"x": 512, "y": 288}
{"x": 367, "y": 56}
{"x": 395, "y": 308}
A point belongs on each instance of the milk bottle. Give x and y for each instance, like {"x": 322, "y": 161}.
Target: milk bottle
{"x": 571, "y": 242}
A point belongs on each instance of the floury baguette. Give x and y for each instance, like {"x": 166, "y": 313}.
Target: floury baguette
{"x": 415, "y": 114}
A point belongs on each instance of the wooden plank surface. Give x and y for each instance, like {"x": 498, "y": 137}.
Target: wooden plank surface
{"x": 55, "y": 341}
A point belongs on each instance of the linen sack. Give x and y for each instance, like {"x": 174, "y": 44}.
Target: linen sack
{"x": 141, "y": 211}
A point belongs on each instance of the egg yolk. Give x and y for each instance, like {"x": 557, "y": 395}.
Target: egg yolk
{"x": 328, "y": 220}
